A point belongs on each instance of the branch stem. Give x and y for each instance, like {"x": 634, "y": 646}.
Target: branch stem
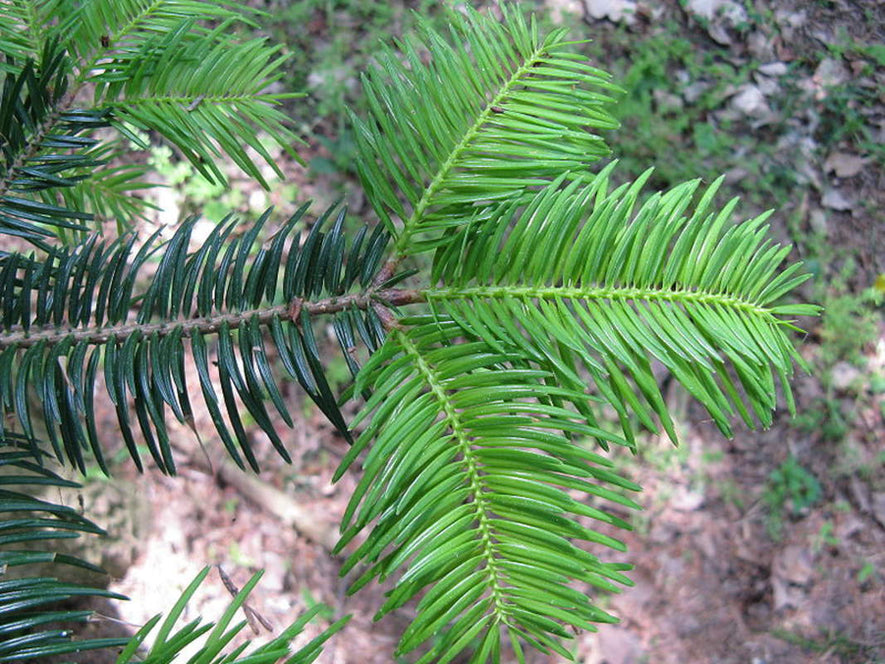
{"x": 19, "y": 338}
{"x": 412, "y": 225}
{"x": 34, "y": 143}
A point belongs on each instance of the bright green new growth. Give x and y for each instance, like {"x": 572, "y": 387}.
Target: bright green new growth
{"x": 545, "y": 295}
{"x": 500, "y": 110}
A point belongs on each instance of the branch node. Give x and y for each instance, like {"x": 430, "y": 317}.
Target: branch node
{"x": 294, "y": 310}
{"x": 388, "y": 319}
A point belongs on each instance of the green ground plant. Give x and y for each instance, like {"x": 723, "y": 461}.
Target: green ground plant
{"x": 832, "y": 642}
{"x": 791, "y": 489}
{"x": 510, "y": 295}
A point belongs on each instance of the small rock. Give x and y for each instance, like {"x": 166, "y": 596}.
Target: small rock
{"x": 844, "y": 165}
{"x": 751, "y": 102}
{"x": 773, "y": 69}
{"x": 718, "y": 14}
{"x": 616, "y": 11}
{"x": 719, "y": 34}
{"x": 760, "y": 45}
{"x": 685, "y": 500}
{"x": 654, "y": 12}
{"x": 817, "y": 219}
{"x": 736, "y": 174}
{"x": 667, "y": 101}
{"x": 788, "y": 21}
{"x": 807, "y": 167}
{"x": 767, "y": 85}
{"x": 693, "y": 91}
{"x": 844, "y": 375}
{"x": 835, "y": 200}
{"x": 829, "y": 74}
{"x": 726, "y": 10}
{"x": 562, "y": 11}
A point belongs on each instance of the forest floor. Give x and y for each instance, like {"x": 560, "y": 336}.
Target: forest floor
{"x": 765, "y": 548}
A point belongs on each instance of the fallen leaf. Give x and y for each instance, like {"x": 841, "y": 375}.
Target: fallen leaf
{"x": 791, "y": 573}
{"x": 844, "y": 165}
